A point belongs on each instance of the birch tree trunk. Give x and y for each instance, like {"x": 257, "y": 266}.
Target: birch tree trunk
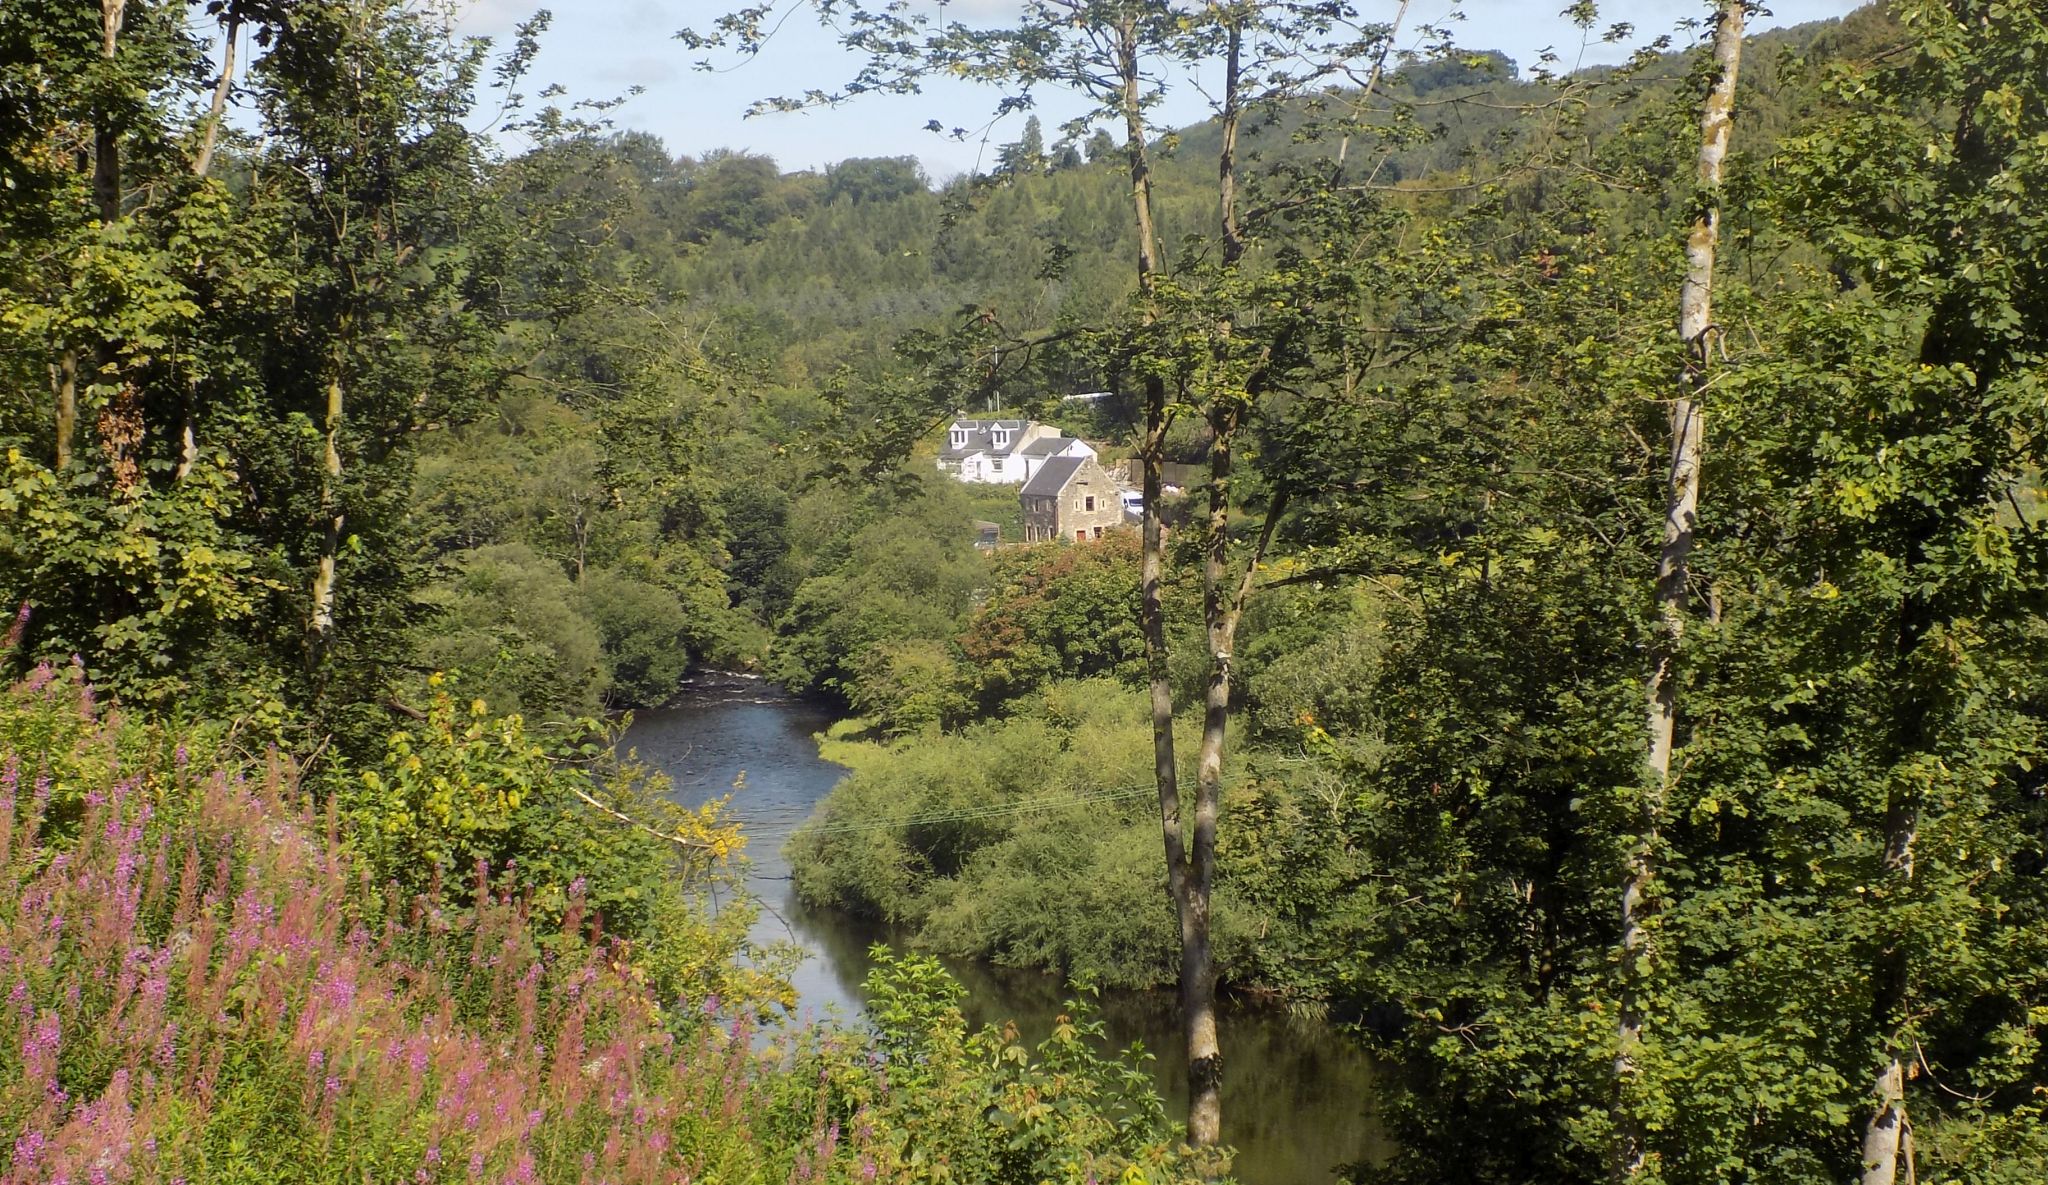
{"x": 1187, "y": 878}
{"x": 1681, "y": 511}
{"x": 204, "y": 161}
{"x": 1888, "y": 1135}
{"x": 330, "y": 508}
{"x": 1197, "y": 964}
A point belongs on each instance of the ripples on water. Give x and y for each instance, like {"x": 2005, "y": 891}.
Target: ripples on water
{"x": 1297, "y": 1095}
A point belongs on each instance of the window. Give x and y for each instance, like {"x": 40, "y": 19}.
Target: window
{"x": 1001, "y": 438}
{"x": 1081, "y": 535}
{"x": 1088, "y": 503}
{"x": 959, "y": 438}
{"x": 1098, "y": 532}
{"x": 995, "y": 464}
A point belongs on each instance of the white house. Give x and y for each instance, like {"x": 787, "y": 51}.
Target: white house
{"x": 1004, "y": 452}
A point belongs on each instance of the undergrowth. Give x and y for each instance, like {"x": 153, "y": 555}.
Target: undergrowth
{"x": 203, "y": 978}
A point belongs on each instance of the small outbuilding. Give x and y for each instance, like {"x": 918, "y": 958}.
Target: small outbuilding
{"x": 1070, "y": 498}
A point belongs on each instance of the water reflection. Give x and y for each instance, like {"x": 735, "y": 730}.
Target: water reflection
{"x": 1297, "y": 1095}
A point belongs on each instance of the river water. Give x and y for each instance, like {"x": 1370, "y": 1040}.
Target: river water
{"x": 1297, "y": 1095}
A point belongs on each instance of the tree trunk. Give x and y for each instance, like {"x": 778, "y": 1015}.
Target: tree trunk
{"x": 119, "y": 423}
{"x": 1888, "y": 1133}
{"x": 582, "y": 529}
{"x": 1888, "y": 1138}
{"x": 330, "y": 508}
{"x": 67, "y": 404}
{"x": 188, "y": 437}
{"x": 1682, "y": 493}
{"x": 1187, "y": 886}
{"x": 106, "y": 137}
{"x": 1952, "y": 337}
{"x": 204, "y": 161}
{"x": 1226, "y": 156}
{"x": 1197, "y": 963}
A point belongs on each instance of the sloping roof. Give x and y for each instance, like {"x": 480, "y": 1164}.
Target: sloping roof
{"x": 981, "y": 438}
{"x": 1052, "y": 477}
{"x": 1047, "y": 446}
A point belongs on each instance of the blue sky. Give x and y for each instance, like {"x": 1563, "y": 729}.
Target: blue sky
{"x": 601, "y": 47}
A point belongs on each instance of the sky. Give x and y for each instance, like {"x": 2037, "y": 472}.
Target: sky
{"x": 601, "y": 48}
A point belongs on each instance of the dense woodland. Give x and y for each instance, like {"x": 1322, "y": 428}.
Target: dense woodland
{"x": 1657, "y": 811}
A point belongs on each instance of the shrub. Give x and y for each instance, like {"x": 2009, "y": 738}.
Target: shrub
{"x": 1031, "y": 840}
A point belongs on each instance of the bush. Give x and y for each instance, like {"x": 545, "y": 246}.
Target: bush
{"x": 1031, "y": 841}
{"x": 969, "y": 1104}
{"x": 644, "y": 631}
{"x": 910, "y": 687}
{"x": 514, "y": 630}
{"x": 461, "y": 790}
{"x": 1055, "y": 611}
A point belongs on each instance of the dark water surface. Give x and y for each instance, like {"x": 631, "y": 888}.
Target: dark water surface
{"x": 1297, "y": 1096}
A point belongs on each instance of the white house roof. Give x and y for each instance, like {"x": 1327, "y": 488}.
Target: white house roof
{"x": 981, "y": 438}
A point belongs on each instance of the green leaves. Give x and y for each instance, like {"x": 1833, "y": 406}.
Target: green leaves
{"x": 977, "y": 1104}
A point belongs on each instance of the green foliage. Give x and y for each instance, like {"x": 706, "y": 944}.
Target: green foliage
{"x": 465, "y": 803}
{"x": 964, "y": 1104}
{"x": 644, "y": 631}
{"x": 511, "y": 625}
{"x": 1057, "y": 612}
{"x": 1027, "y": 840}
{"x": 178, "y": 584}
{"x": 894, "y": 568}
{"x": 910, "y": 687}
{"x": 605, "y": 414}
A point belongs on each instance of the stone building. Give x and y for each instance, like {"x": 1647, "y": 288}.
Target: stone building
{"x": 1070, "y": 498}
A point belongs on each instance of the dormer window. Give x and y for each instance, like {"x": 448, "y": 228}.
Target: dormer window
{"x": 959, "y": 438}
{"x": 1001, "y": 438}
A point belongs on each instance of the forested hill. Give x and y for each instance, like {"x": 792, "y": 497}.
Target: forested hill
{"x": 809, "y": 272}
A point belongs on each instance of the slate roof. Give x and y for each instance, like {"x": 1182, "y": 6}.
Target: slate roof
{"x": 1052, "y": 477}
{"x": 1047, "y": 446}
{"x": 981, "y": 438}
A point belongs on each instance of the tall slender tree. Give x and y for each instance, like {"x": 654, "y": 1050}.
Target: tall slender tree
{"x": 1674, "y": 560}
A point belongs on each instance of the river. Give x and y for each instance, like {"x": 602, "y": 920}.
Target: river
{"x": 1297, "y": 1095}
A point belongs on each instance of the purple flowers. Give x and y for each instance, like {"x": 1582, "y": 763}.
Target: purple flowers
{"x": 39, "y": 1048}
{"x": 29, "y": 1149}
{"x": 191, "y": 939}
